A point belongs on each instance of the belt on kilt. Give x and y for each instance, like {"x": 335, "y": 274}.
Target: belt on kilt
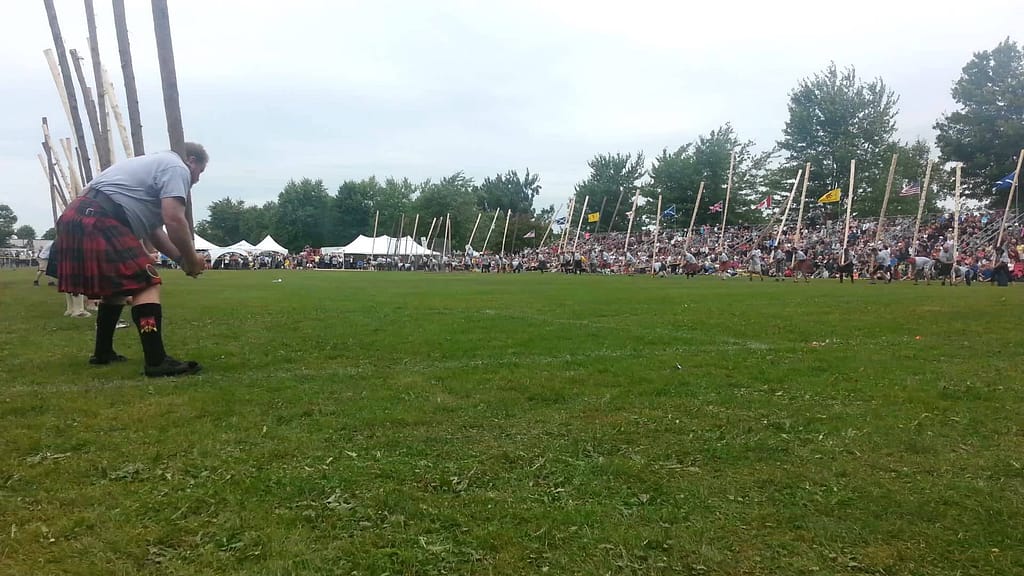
{"x": 112, "y": 208}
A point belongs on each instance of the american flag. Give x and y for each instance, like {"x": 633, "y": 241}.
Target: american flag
{"x": 717, "y": 207}
{"x": 912, "y": 189}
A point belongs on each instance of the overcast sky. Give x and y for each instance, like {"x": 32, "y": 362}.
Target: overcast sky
{"x": 337, "y": 89}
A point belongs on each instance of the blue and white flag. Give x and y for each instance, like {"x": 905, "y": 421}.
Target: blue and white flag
{"x": 1006, "y": 183}
{"x": 669, "y": 212}
{"x": 560, "y": 221}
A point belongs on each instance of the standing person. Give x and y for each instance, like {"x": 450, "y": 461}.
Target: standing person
{"x": 944, "y": 268}
{"x": 99, "y": 249}
{"x": 802, "y": 266}
{"x": 42, "y": 257}
{"x": 779, "y": 260}
{"x": 723, "y": 265}
{"x": 846, "y": 264}
{"x": 756, "y": 266}
{"x": 1001, "y": 267}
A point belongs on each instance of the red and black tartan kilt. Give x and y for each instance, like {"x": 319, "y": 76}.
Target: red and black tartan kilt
{"x": 98, "y": 255}
{"x": 804, "y": 266}
{"x": 691, "y": 268}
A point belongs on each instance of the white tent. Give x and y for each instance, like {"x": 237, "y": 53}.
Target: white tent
{"x": 240, "y": 247}
{"x": 268, "y": 244}
{"x": 381, "y": 246}
{"x": 202, "y": 243}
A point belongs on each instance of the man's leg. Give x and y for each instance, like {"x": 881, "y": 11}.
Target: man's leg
{"x": 108, "y": 313}
{"x": 147, "y": 314}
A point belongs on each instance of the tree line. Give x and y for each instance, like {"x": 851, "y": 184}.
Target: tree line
{"x": 834, "y": 116}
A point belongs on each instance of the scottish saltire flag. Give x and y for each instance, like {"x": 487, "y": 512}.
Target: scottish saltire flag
{"x": 1006, "y": 183}
{"x": 716, "y": 207}
{"x": 669, "y": 212}
{"x": 560, "y": 221}
{"x": 530, "y": 234}
{"x": 764, "y": 204}
{"x": 912, "y": 189}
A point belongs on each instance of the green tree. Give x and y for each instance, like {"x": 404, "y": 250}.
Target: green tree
{"x": 7, "y": 222}
{"x": 50, "y": 234}
{"x": 612, "y": 176}
{"x": 258, "y": 221}
{"x": 393, "y": 199}
{"x": 835, "y": 117}
{"x": 677, "y": 176}
{"x": 509, "y": 191}
{"x": 454, "y": 195}
{"x": 303, "y": 214}
{"x": 224, "y": 224}
{"x": 353, "y": 212}
{"x": 25, "y": 232}
{"x": 987, "y": 132}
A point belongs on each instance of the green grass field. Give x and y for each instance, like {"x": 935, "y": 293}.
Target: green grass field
{"x": 397, "y": 423}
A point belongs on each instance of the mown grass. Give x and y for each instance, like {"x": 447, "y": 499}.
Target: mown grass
{"x": 392, "y": 423}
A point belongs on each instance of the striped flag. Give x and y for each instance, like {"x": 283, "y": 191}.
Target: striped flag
{"x": 912, "y": 189}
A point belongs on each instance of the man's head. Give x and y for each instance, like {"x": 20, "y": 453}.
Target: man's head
{"x": 196, "y": 159}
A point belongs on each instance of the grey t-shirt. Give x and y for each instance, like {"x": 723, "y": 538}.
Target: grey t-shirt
{"x": 138, "y": 184}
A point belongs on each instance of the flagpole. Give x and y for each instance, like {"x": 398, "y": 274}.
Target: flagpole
{"x": 789, "y": 202}
{"x": 803, "y": 198}
{"x": 920, "y": 205}
{"x": 849, "y": 210}
{"x": 728, "y": 191}
{"x": 473, "y": 233}
{"x": 885, "y": 201}
{"x": 693, "y": 218}
{"x": 549, "y": 226}
{"x": 956, "y": 218}
{"x": 579, "y": 226}
{"x": 657, "y": 228}
{"x": 430, "y": 232}
{"x": 600, "y": 214}
{"x": 504, "y": 235}
{"x": 491, "y": 229}
{"x": 415, "y": 225}
{"x": 1009, "y": 199}
{"x": 629, "y": 228}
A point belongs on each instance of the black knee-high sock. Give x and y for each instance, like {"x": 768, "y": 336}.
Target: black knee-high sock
{"x": 106, "y": 322}
{"x": 148, "y": 319}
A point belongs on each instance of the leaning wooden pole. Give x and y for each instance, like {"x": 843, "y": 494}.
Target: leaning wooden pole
{"x": 657, "y": 230}
{"x": 69, "y": 87}
{"x": 58, "y": 82}
{"x": 803, "y": 198}
{"x": 920, "y": 206}
{"x": 131, "y": 93}
{"x": 489, "y": 230}
{"x": 473, "y": 233}
{"x": 568, "y": 224}
{"x": 885, "y": 200}
{"x": 583, "y": 214}
{"x": 73, "y": 167}
{"x": 693, "y": 218}
{"x": 99, "y": 140}
{"x": 50, "y": 159}
{"x": 629, "y": 226}
{"x": 956, "y": 216}
{"x": 169, "y": 80}
{"x": 115, "y": 108}
{"x": 616, "y": 212}
{"x": 1009, "y": 199}
{"x": 52, "y": 177}
{"x": 728, "y": 192}
{"x": 104, "y": 152}
{"x": 849, "y": 210}
{"x": 789, "y": 202}
{"x": 504, "y": 235}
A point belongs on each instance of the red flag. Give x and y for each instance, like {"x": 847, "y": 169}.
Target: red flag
{"x": 716, "y": 207}
{"x": 765, "y": 204}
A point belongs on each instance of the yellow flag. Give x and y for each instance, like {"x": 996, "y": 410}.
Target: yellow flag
{"x": 830, "y": 196}
{"x": 593, "y": 217}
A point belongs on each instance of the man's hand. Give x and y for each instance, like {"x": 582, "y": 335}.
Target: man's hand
{"x": 193, "y": 264}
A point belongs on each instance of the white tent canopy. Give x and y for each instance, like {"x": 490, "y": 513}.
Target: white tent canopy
{"x": 203, "y": 244}
{"x": 381, "y": 246}
{"x": 268, "y": 244}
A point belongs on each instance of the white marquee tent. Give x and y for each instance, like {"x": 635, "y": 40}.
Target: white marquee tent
{"x": 381, "y": 246}
{"x": 268, "y": 244}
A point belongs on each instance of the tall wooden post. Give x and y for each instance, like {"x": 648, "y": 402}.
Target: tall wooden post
{"x": 169, "y": 80}
{"x": 885, "y": 201}
{"x": 131, "y": 93}
{"x": 50, "y": 172}
{"x": 583, "y": 214}
{"x": 657, "y": 230}
{"x": 504, "y": 235}
{"x": 115, "y": 108}
{"x": 1009, "y": 198}
{"x": 600, "y": 214}
{"x": 803, "y": 198}
{"x": 728, "y": 192}
{"x": 568, "y": 223}
{"x": 629, "y": 227}
{"x": 616, "y": 212}
{"x": 51, "y": 163}
{"x": 104, "y": 152}
{"x": 491, "y": 229}
{"x": 693, "y": 218}
{"x": 69, "y": 87}
{"x": 98, "y": 139}
{"x": 849, "y": 210}
{"x": 920, "y": 206}
{"x": 789, "y": 202}
{"x": 956, "y": 216}
{"x": 473, "y": 233}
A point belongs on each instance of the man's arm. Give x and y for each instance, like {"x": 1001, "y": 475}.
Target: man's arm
{"x": 158, "y": 238}
{"x": 180, "y": 235}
